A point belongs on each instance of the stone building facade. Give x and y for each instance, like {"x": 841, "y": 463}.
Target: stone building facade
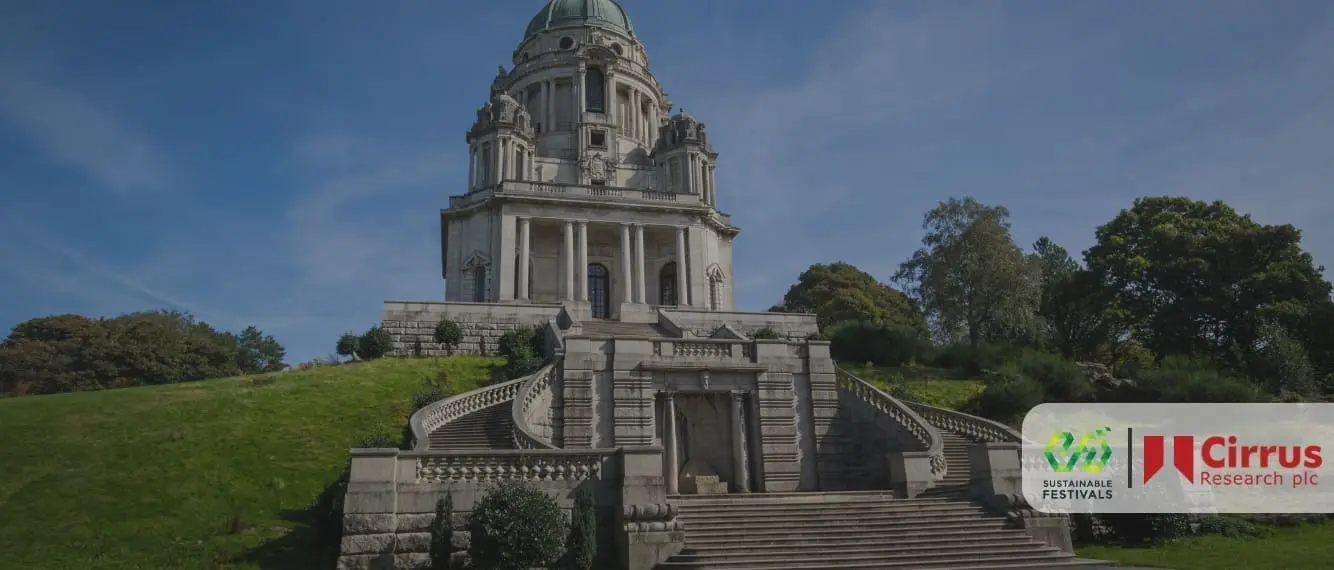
{"x": 590, "y": 212}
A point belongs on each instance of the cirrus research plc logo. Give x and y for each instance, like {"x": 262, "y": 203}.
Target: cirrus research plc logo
{"x": 1067, "y": 450}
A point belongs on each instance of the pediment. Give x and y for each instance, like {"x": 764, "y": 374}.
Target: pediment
{"x": 727, "y": 332}
{"x": 476, "y": 259}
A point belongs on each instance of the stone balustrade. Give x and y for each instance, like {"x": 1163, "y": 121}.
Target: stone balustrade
{"x": 902, "y": 418}
{"x": 533, "y": 408}
{"x": 981, "y": 429}
{"x": 432, "y": 417}
{"x": 575, "y": 191}
{"x": 572, "y": 465}
{"x": 704, "y": 349}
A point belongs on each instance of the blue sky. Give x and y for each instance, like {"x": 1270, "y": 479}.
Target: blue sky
{"x": 281, "y": 163}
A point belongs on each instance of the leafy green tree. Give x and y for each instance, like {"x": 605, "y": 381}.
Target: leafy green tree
{"x": 1198, "y": 278}
{"x": 449, "y": 334}
{"x": 374, "y": 343}
{"x": 1073, "y": 304}
{"x": 516, "y": 526}
{"x": 971, "y": 278}
{"x": 258, "y": 352}
{"x": 838, "y": 292}
{"x": 347, "y": 345}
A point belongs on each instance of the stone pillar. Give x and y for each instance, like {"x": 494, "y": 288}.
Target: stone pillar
{"x": 503, "y": 147}
{"x": 640, "y": 285}
{"x": 682, "y": 268}
{"x": 669, "y": 442}
{"x": 568, "y": 293}
{"x": 524, "y": 252}
{"x": 687, "y": 178}
{"x": 472, "y": 168}
{"x": 627, "y": 261}
{"x": 582, "y": 281}
{"x": 612, "y": 102}
{"x": 578, "y": 92}
{"x": 494, "y": 176}
{"x": 713, "y": 185}
{"x": 740, "y": 463}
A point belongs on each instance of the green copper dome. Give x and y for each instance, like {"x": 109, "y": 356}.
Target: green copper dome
{"x": 605, "y": 13}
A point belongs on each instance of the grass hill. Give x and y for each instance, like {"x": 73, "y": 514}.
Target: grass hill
{"x": 209, "y": 474}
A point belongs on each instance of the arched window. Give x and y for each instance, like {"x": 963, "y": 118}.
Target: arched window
{"x": 599, "y": 290}
{"x": 479, "y": 284}
{"x": 595, "y": 85}
{"x": 667, "y": 285}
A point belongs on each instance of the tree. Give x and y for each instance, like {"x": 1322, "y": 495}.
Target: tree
{"x": 1072, "y": 303}
{"x": 1197, "y": 278}
{"x": 581, "y": 544}
{"x": 257, "y": 352}
{"x": 347, "y": 345}
{"x": 515, "y": 526}
{"x": 840, "y": 292}
{"x": 442, "y": 534}
{"x": 374, "y": 343}
{"x": 449, "y": 334}
{"x": 971, "y": 278}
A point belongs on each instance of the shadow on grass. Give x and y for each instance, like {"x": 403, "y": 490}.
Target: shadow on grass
{"x": 300, "y": 549}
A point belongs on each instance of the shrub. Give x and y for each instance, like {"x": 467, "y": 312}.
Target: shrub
{"x": 581, "y": 544}
{"x": 523, "y": 343}
{"x": 1143, "y": 529}
{"x": 448, "y": 334}
{"x": 442, "y": 534}
{"x": 1061, "y": 380}
{"x": 1186, "y": 379}
{"x": 1008, "y": 397}
{"x": 516, "y": 526}
{"x": 878, "y": 343}
{"x": 765, "y": 333}
{"x": 374, "y": 344}
{"x": 347, "y": 345}
{"x": 974, "y": 360}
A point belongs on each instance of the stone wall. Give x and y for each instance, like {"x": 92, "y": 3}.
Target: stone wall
{"x": 699, "y": 323}
{"x": 410, "y": 322}
{"x": 391, "y": 497}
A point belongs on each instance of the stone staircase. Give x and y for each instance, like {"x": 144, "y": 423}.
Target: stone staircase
{"x": 487, "y": 428}
{"x": 955, "y": 483}
{"x": 830, "y": 531}
{"x": 599, "y": 327}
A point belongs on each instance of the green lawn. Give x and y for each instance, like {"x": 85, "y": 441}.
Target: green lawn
{"x": 1298, "y": 548}
{"x": 210, "y": 474}
{"x": 932, "y": 386}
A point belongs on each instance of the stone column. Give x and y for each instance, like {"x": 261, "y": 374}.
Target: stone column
{"x": 582, "y": 282}
{"x": 524, "y": 252}
{"x": 669, "y": 443}
{"x": 568, "y": 293}
{"x": 740, "y": 464}
{"x": 682, "y": 268}
{"x": 472, "y": 168}
{"x": 687, "y": 178}
{"x": 627, "y": 260}
{"x": 640, "y": 285}
{"x": 612, "y": 101}
{"x": 578, "y": 92}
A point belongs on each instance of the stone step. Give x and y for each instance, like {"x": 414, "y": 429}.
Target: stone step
{"x": 834, "y": 542}
{"x": 790, "y": 533}
{"x": 782, "y": 498}
{"x": 815, "y": 514}
{"x": 916, "y": 547}
{"x": 921, "y": 559}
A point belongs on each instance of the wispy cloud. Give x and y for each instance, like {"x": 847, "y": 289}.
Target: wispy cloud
{"x": 78, "y": 131}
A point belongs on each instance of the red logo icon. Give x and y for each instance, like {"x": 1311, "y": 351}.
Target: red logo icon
{"x": 1183, "y": 455}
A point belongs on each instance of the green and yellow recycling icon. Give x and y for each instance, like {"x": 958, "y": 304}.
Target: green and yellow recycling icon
{"x": 1065, "y": 451}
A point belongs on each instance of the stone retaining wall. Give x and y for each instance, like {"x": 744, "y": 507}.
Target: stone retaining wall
{"x": 413, "y": 322}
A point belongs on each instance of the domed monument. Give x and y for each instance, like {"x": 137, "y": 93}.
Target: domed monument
{"x": 590, "y": 215}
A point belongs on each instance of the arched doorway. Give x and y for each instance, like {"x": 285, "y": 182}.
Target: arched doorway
{"x": 599, "y": 290}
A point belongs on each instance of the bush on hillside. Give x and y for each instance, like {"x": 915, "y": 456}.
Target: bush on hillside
{"x": 881, "y": 344}
{"x": 374, "y": 343}
{"x": 1187, "y": 379}
{"x": 522, "y": 349}
{"x": 448, "y": 334}
{"x": 347, "y": 345}
{"x": 581, "y": 544}
{"x": 66, "y": 353}
{"x": 1007, "y": 398}
{"x": 974, "y": 360}
{"x": 765, "y": 333}
{"x": 1061, "y": 380}
{"x": 516, "y": 526}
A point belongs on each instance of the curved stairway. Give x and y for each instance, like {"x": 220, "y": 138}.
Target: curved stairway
{"x": 955, "y": 483}
{"x": 487, "y": 428}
